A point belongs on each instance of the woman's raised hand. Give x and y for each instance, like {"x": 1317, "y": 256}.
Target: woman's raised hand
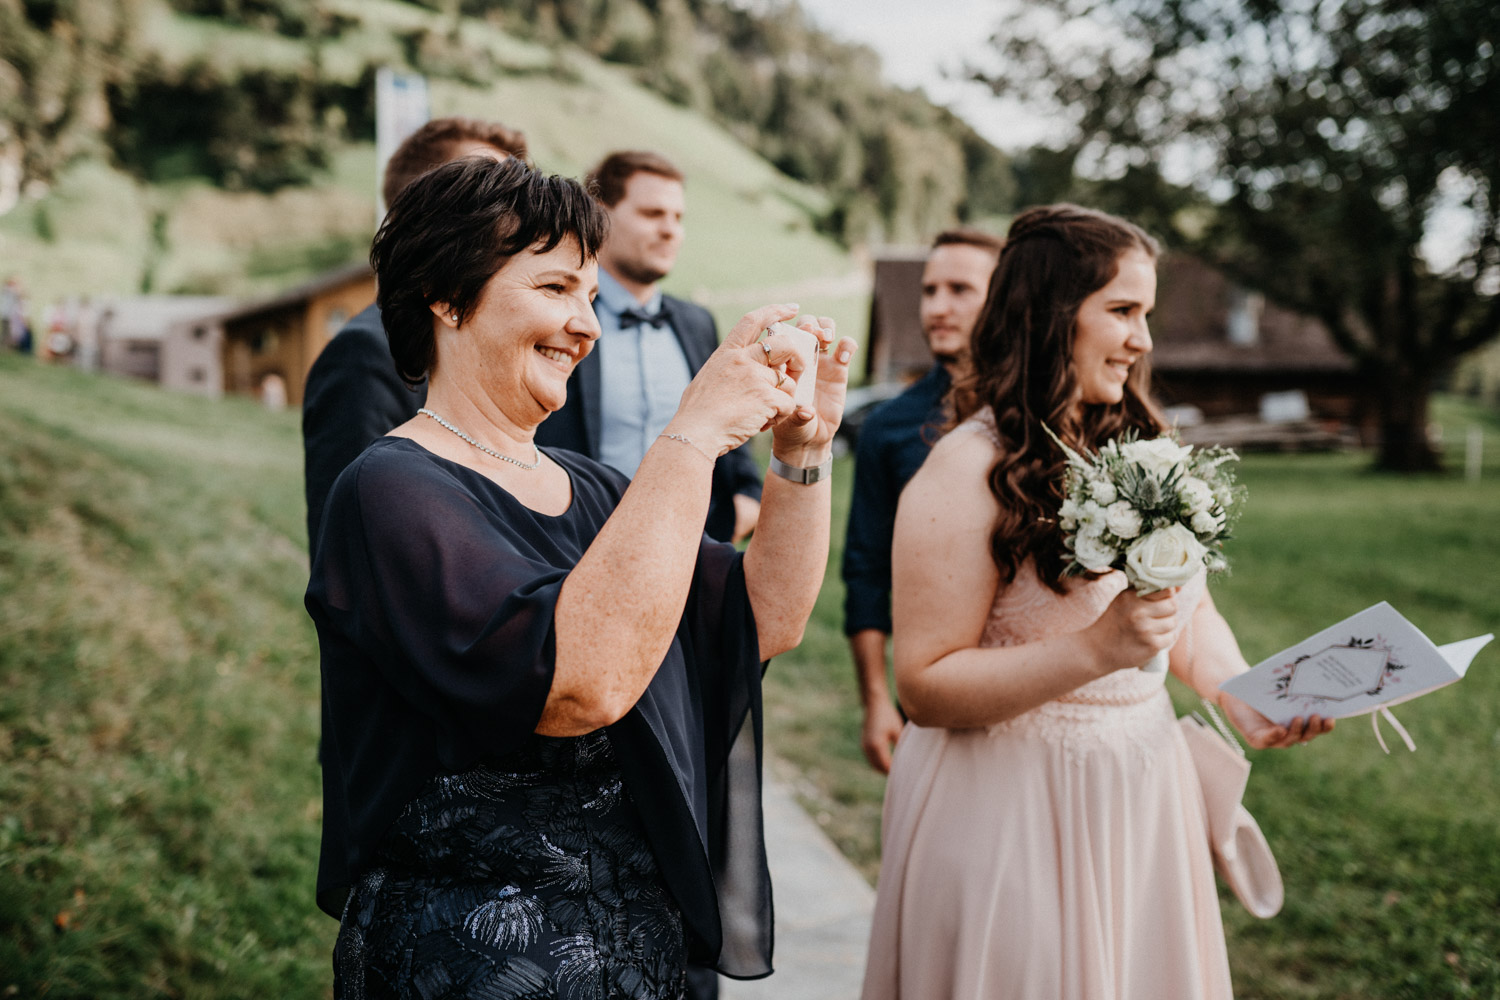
{"x": 1135, "y": 628}
{"x": 740, "y": 390}
{"x": 804, "y": 437}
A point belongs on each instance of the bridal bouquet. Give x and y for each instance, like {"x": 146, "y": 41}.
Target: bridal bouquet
{"x": 1157, "y": 509}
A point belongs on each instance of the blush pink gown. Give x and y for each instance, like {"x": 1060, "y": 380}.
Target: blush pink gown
{"x": 1060, "y": 855}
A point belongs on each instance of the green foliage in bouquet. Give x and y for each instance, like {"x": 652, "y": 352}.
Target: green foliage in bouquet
{"x": 1136, "y": 504}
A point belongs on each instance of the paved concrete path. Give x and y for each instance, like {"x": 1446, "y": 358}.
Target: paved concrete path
{"x": 822, "y": 909}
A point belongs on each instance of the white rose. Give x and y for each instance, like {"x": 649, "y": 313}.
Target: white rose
{"x": 1203, "y": 522}
{"x": 1159, "y": 456}
{"x": 1103, "y": 491}
{"x": 1123, "y": 519}
{"x": 1092, "y": 553}
{"x": 1196, "y": 495}
{"x": 1168, "y": 557}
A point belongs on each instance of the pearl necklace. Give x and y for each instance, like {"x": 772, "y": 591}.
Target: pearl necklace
{"x": 488, "y": 451}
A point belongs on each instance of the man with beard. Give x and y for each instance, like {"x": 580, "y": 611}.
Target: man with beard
{"x": 893, "y": 442}
{"x": 623, "y": 393}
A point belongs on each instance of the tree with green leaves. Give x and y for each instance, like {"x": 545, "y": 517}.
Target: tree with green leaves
{"x": 57, "y": 58}
{"x": 1343, "y": 156}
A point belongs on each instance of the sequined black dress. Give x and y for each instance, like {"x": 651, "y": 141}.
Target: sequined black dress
{"x": 526, "y": 877}
{"x": 467, "y": 856}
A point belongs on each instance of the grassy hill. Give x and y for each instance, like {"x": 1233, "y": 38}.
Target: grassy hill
{"x": 158, "y": 696}
{"x": 750, "y": 229}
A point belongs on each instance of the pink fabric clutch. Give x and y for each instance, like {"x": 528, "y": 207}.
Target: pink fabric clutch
{"x": 1241, "y": 855}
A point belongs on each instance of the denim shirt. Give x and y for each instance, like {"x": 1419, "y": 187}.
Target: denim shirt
{"x": 643, "y": 373}
{"x": 893, "y": 444}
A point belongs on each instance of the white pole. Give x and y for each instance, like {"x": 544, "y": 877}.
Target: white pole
{"x": 401, "y": 107}
{"x": 1473, "y": 453}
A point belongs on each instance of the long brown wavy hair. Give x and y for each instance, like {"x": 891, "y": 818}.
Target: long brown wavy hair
{"x": 1055, "y": 256}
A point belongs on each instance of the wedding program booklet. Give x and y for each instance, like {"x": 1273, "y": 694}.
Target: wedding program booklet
{"x": 1366, "y": 662}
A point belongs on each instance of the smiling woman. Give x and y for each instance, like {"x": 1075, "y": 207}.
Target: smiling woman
{"x": 1092, "y": 878}
{"x": 541, "y": 681}
{"x": 1111, "y": 334}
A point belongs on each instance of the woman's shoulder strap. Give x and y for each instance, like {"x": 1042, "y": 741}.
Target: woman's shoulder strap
{"x": 981, "y": 422}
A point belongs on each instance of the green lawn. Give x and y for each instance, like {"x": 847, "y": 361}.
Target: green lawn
{"x": 159, "y": 797}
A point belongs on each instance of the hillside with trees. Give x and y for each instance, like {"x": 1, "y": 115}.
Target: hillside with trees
{"x": 225, "y": 145}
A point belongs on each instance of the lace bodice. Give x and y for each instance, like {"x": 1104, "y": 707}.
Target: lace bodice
{"x": 1028, "y": 610}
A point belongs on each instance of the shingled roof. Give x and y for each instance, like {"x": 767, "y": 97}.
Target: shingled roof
{"x": 1191, "y": 327}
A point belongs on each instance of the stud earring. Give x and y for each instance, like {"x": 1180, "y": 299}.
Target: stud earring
{"x": 453, "y": 316}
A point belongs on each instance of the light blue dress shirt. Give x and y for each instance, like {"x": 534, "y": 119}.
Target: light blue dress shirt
{"x": 642, "y": 374}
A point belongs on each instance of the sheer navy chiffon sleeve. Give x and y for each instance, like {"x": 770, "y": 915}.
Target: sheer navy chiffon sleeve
{"x": 434, "y": 593}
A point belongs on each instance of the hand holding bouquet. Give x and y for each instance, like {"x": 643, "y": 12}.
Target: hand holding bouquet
{"x": 1157, "y": 509}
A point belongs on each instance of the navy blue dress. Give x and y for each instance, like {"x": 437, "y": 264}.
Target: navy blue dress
{"x": 467, "y": 856}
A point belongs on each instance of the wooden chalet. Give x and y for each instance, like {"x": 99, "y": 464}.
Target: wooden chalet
{"x": 282, "y": 335}
{"x": 1225, "y": 350}
{"x": 896, "y": 350}
{"x": 136, "y": 334}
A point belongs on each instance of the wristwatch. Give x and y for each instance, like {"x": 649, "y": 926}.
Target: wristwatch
{"x": 807, "y": 476}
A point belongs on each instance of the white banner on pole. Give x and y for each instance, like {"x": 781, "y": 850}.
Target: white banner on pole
{"x": 401, "y": 108}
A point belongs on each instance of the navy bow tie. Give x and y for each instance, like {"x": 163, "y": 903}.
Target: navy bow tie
{"x": 631, "y": 318}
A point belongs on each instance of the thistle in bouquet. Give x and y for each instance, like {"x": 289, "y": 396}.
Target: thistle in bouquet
{"x": 1155, "y": 508}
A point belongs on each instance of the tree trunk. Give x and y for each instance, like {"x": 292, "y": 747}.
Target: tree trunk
{"x": 1403, "y": 398}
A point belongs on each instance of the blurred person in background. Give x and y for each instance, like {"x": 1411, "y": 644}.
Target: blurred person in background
{"x": 652, "y": 344}
{"x": 893, "y": 442}
{"x": 17, "y": 329}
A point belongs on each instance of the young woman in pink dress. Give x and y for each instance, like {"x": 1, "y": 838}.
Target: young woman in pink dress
{"x": 1043, "y": 834}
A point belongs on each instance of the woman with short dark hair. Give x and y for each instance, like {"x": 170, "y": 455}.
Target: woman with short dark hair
{"x": 541, "y": 681}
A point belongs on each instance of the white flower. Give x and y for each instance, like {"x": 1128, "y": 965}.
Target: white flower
{"x": 1196, "y": 495}
{"x": 1204, "y": 523}
{"x": 1168, "y": 557}
{"x": 1159, "y": 456}
{"x": 1069, "y": 511}
{"x": 1123, "y": 519}
{"x": 1103, "y": 491}
{"x": 1092, "y": 552}
{"x": 1090, "y": 517}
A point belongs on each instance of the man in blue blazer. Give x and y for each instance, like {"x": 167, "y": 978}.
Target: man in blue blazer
{"x": 650, "y": 345}
{"x": 893, "y": 443}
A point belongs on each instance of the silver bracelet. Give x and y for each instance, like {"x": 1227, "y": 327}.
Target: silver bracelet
{"x": 689, "y": 442}
{"x": 805, "y": 476}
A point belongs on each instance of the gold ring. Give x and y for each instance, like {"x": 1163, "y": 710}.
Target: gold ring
{"x": 780, "y": 379}
{"x": 766, "y": 346}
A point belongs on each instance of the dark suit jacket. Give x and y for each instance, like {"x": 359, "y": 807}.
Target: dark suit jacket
{"x": 579, "y": 424}
{"x": 353, "y": 396}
